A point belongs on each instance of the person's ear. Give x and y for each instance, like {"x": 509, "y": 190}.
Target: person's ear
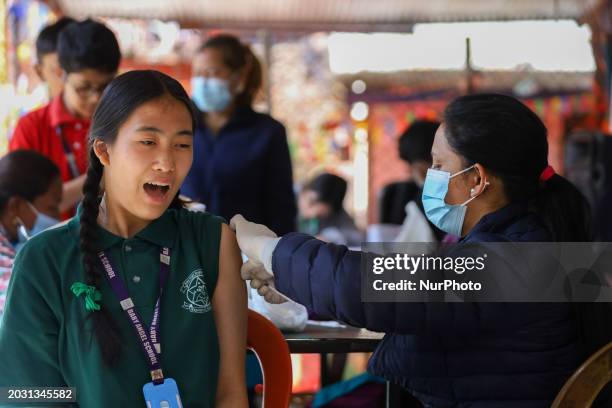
{"x": 13, "y": 207}
{"x": 18, "y": 211}
{"x": 101, "y": 151}
{"x": 479, "y": 180}
{"x": 324, "y": 210}
{"x": 243, "y": 76}
{"x": 240, "y": 84}
{"x": 39, "y": 71}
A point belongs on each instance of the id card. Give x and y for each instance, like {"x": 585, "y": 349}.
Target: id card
{"x": 164, "y": 395}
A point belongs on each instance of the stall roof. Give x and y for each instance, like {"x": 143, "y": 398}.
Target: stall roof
{"x": 326, "y": 15}
{"x": 402, "y": 83}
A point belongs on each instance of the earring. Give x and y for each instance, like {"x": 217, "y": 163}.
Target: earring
{"x": 472, "y": 192}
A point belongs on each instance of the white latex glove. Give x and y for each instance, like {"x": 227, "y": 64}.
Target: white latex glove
{"x": 268, "y": 291}
{"x": 262, "y": 280}
{"x": 254, "y": 270}
{"x": 255, "y": 240}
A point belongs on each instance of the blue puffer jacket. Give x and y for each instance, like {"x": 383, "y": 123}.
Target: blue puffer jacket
{"x": 446, "y": 354}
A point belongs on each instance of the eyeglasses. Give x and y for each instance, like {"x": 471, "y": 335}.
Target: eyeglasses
{"x": 86, "y": 91}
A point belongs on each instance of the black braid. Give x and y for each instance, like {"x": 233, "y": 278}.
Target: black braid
{"x": 105, "y": 329}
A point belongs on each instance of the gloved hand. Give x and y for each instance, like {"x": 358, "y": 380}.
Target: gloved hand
{"x": 251, "y": 270}
{"x": 269, "y": 293}
{"x": 255, "y": 240}
{"x": 263, "y": 281}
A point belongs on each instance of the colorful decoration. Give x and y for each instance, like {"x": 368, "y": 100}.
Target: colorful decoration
{"x": 388, "y": 120}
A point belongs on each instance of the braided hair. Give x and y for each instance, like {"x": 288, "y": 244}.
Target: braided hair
{"x": 122, "y": 96}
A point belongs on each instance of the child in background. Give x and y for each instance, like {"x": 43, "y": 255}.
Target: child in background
{"x": 30, "y": 194}
{"x": 89, "y": 57}
{"x": 322, "y": 212}
{"x": 47, "y": 61}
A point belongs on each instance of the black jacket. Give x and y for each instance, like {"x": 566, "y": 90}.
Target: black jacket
{"x": 446, "y": 354}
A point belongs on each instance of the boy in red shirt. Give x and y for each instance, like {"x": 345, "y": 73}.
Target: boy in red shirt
{"x": 89, "y": 56}
{"x": 47, "y": 62}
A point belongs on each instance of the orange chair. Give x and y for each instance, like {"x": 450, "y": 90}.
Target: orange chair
{"x": 588, "y": 380}
{"x": 268, "y": 343}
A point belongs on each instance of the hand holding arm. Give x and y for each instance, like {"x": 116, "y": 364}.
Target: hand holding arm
{"x": 257, "y": 242}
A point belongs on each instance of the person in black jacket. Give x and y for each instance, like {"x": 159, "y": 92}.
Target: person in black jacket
{"x": 241, "y": 161}
{"x": 492, "y": 153}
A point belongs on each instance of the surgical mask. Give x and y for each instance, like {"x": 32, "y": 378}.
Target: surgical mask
{"x": 41, "y": 223}
{"x": 308, "y": 226}
{"x": 447, "y": 217}
{"x": 210, "y": 94}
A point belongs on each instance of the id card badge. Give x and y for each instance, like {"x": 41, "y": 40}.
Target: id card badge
{"x": 164, "y": 395}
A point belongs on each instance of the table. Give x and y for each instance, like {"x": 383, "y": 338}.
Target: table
{"x": 320, "y": 338}
{"x": 331, "y": 337}
{"x": 326, "y": 337}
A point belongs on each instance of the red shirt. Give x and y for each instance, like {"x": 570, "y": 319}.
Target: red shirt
{"x": 38, "y": 131}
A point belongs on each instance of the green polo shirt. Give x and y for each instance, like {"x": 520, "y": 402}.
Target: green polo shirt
{"x": 47, "y": 340}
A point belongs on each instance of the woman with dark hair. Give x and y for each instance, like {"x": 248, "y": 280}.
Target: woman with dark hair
{"x": 30, "y": 196}
{"x": 490, "y": 182}
{"x": 241, "y": 161}
{"x": 86, "y": 299}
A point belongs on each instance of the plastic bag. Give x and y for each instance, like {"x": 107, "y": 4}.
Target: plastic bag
{"x": 289, "y": 316}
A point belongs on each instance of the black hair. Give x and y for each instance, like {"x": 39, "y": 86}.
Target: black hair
{"x": 122, "y": 96}
{"x": 25, "y": 174}
{"x": 88, "y": 44}
{"x": 46, "y": 42}
{"x": 330, "y": 189}
{"x": 416, "y": 141}
{"x": 237, "y": 55}
{"x": 510, "y": 140}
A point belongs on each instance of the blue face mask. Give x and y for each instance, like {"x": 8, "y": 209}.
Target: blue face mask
{"x": 210, "y": 94}
{"x": 449, "y": 218}
{"x": 42, "y": 222}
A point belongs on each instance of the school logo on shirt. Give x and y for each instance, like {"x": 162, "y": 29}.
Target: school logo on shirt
{"x": 196, "y": 294}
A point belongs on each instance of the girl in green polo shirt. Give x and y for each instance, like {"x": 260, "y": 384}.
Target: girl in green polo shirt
{"x": 135, "y": 300}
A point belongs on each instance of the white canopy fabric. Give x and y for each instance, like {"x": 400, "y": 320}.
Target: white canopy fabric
{"x": 324, "y": 15}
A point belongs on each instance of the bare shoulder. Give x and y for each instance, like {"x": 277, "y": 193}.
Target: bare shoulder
{"x": 229, "y": 244}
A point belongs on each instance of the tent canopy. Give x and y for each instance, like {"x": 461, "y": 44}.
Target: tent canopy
{"x": 324, "y": 15}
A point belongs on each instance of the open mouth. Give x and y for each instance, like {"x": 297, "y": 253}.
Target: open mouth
{"x": 157, "y": 191}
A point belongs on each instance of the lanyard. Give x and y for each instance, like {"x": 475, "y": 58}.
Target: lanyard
{"x": 72, "y": 165}
{"x": 149, "y": 340}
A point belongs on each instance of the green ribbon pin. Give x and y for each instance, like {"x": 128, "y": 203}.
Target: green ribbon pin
{"x": 92, "y": 295}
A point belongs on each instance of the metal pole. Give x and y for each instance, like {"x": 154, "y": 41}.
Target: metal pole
{"x": 469, "y": 77}
{"x": 266, "y": 39}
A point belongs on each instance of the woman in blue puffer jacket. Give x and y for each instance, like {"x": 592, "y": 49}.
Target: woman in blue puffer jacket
{"x": 490, "y": 181}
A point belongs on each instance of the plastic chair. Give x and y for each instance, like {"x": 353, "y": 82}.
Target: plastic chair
{"x": 588, "y": 380}
{"x": 272, "y": 351}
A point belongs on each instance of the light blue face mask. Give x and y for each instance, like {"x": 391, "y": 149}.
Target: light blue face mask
{"x": 210, "y": 94}
{"x": 447, "y": 217}
{"x": 41, "y": 223}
